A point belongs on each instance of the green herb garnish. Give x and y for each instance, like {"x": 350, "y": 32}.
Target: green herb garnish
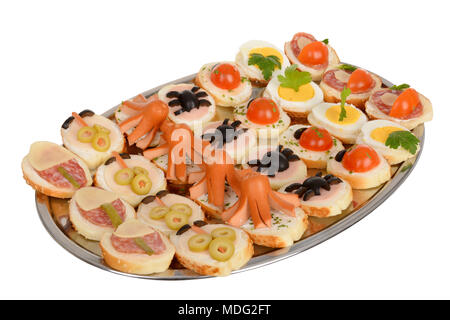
{"x": 143, "y": 245}
{"x": 403, "y": 138}
{"x": 266, "y": 64}
{"x": 407, "y": 167}
{"x": 400, "y": 87}
{"x": 69, "y": 177}
{"x": 347, "y": 67}
{"x": 344, "y": 95}
{"x": 294, "y": 78}
{"x": 109, "y": 209}
{"x": 319, "y": 134}
{"x": 326, "y": 41}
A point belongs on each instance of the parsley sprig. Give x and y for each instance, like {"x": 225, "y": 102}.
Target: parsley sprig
{"x": 404, "y": 139}
{"x": 294, "y": 78}
{"x": 347, "y": 67}
{"x": 400, "y": 87}
{"x": 344, "y": 95}
{"x": 266, "y": 64}
{"x": 326, "y": 41}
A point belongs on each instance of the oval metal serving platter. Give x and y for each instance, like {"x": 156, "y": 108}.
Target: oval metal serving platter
{"x": 53, "y": 213}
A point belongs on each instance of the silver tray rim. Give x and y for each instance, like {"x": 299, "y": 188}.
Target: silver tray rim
{"x": 256, "y": 262}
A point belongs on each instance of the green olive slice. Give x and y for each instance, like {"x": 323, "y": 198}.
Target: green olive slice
{"x": 157, "y": 213}
{"x": 140, "y": 170}
{"x": 199, "y": 242}
{"x": 124, "y": 176}
{"x": 221, "y": 249}
{"x": 101, "y": 142}
{"x": 175, "y": 219}
{"x": 182, "y": 207}
{"x": 224, "y": 232}
{"x": 86, "y": 134}
{"x": 100, "y": 128}
{"x": 141, "y": 184}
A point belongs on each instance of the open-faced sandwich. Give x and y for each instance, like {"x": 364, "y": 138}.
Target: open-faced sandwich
{"x": 400, "y": 104}
{"x": 55, "y": 171}
{"x": 94, "y": 211}
{"x": 137, "y": 248}
{"x": 315, "y": 146}
{"x": 225, "y": 82}
{"x": 132, "y": 177}
{"x": 361, "y": 83}
{"x": 212, "y": 249}
{"x": 91, "y": 137}
{"x": 168, "y": 212}
{"x": 310, "y": 55}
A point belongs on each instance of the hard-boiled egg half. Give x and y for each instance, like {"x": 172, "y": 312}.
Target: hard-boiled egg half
{"x": 361, "y": 165}
{"x": 259, "y": 59}
{"x": 294, "y": 92}
{"x": 375, "y": 133}
{"x": 225, "y": 82}
{"x": 328, "y": 116}
{"x": 264, "y": 116}
{"x": 315, "y": 146}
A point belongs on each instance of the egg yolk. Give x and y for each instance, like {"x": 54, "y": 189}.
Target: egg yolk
{"x": 304, "y": 93}
{"x": 360, "y": 158}
{"x": 333, "y": 112}
{"x": 267, "y": 51}
{"x": 382, "y": 133}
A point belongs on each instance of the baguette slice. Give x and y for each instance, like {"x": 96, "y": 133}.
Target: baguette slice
{"x": 203, "y": 263}
{"x": 136, "y": 263}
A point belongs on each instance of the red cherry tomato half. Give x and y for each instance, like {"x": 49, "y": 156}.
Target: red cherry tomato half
{"x": 360, "y": 158}
{"x": 360, "y": 81}
{"x": 226, "y": 76}
{"x": 316, "y": 139}
{"x": 313, "y": 54}
{"x": 405, "y": 104}
{"x": 263, "y": 111}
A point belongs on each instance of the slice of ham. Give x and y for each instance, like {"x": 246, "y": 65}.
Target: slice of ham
{"x": 99, "y": 217}
{"x": 53, "y": 176}
{"x": 128, "y": 245}
{"x": 384, "y": 99}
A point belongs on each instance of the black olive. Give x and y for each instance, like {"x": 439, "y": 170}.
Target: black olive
{"x": 172, "y": 94}
{"x": 162, "y": 193}
{"x": 174, "y": 103}
{"x": 148, "y": 199}
{"x": 298, "y": 133}
{"x": 110, "y": 160}
{"x": 334, "y": 180}
{"x": 201, "y": 94}
{"x": 124, "y": 155}
{"x": 204, "y": 103}
{"x": 183, "y": 229}
{"x": 195, "y": 89}
{"x": 86, "y": 113}
{"x": 308, "y": 195}
{"x": 340, "y": 155}
{"x": 200, "y": 223}
{"x": 188, "y": 100}
{"x": 293, "y": 157}
{"x": 67, "y": 123}
{"x": 293, "y": 187}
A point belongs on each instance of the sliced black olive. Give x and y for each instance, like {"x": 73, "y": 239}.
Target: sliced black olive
{"x": 201, "y": 94}
{"x": 204, "y": 103}
{"x": 110, "y": 160}
{"x": 162, "y": 193}
{"x": 195, "y": 89}
{"x": 308, "y": 195}
{"x": 301, "y": 191}
{"x": 67, "y": 123}
{"x": 172, "y": 94}
{"x": 148, "y": 199}
{"x": 319, "y": 174}
{"x": 183, "y": 229}
{"x": 174, "y": 103}
{"x": 235, "y": 124}
{"x": 293, "y": 187}
{"x": 340, "y": 155}
{"x": 200, "y": 223}
{"x": 124, "y": 155}
{"x": 298, "y": 133}
{"x": 86, "y": 113}
{"x": 334, "y": 180}
{"x": 293, "y": 157}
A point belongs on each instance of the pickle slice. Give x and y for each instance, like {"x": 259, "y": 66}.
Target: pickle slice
{"x": 86, "y": 134}
{"x": 140, "y": 170}
{"x": 181, "y": 207}
{"x": 141, "y": 244}
{"x": 101, "y": 142}
{"x": 224, "y": 232}
{"x": 124, "y": 176}
{"x": 69, "y": 177}
{"x": 158, "y": 212}
{"x": 221, "y": 249}
{"x": 100, "y": 128}
{"x": 141, "y": 184}
{"x": 199, "y": 242}
{"x": 116, "y": 220}
{"x": 175, "y": 219}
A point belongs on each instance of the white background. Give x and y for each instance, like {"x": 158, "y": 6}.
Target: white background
{"x": 60, "y": 56}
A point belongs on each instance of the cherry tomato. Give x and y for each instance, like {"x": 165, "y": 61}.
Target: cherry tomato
{"x": 316, "y": 139}
{"x": 405, "y": 104}
{"x": 315, "y": 53}
{"x": 360, "y": 158}
{"x": 226, "y": 76}
{"x": 360, "y": 81}
{"x": 263, "y": 111}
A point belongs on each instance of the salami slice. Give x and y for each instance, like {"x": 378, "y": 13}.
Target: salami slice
{"x": 53, "y": 176}
{"x": 332, "y": 80}
{"x": 300, "y": 40}
{"x": 377, "y": 100}
{"x": 128, "y": 245}
{"x": 99, "y": 217}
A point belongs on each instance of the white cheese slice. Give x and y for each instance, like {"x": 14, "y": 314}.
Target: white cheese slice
{"x": 133, "y": 229}
{"x": 342, "y": 76}
{"x": 44, "y": 155}
{"x": 389, "y": 98}
{"x": 91, "y": 198}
